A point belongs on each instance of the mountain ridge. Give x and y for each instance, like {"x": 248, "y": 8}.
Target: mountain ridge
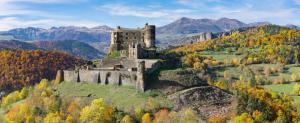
{"x": 75, "y": 48}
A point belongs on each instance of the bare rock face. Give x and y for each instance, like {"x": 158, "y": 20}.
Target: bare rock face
{"x": 206, "y": 100}
{"x": 171, "y": 81}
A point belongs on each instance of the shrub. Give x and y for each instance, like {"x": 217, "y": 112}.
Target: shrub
{"x": 293, "y": 77}
{"x": 296, "y": 89}
{"x": 127, "y": 119}
{"x": 227, "y": 75}
{"x": 243, "y": 118}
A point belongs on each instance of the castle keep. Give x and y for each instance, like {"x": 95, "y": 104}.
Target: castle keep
{"x": 133, "y": 43}
{"x": 132, "y": 67}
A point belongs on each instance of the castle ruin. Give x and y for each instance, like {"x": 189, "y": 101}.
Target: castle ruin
{"x": 134, "y": 43}
{"x": 136, "y": 49}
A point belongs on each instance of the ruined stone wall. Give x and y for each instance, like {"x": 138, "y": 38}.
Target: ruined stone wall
{"x": 103, "y": 77}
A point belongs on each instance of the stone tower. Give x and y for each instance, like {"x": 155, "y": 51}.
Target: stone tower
{"x": 140, "y": 83}
{"x": 149, "y": 35}
{"x": 125, "y": 40}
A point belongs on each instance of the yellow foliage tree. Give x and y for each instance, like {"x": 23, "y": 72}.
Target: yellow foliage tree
{"x": 243, "y": 118}
{"x": 98, "y": 111}
{"x": 52, "y": 118}
{"x": 127, "y": 119}
{"x": 139, "y": 112}
{"x": 220, "y": 84}
{"x": 257, "y": 115}
{"x": 18, "y": 114}
{"x": 146, "y": 118}
{"x": 296, "y": 89}
{"x": 42, "y": 85}
{"x": 70, "y": 119}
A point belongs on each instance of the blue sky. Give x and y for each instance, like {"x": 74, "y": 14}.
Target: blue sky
{"x": 134, "y": 13}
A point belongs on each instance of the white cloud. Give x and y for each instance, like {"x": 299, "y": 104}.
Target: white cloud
{"x": 13, "y": 22}
{"x": 117, "y": 9}
{"x": 297, "y": 1}
{"x": 123, "y": 10}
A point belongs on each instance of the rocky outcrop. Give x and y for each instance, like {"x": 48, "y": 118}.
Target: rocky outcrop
{"x": 206, "y": 100}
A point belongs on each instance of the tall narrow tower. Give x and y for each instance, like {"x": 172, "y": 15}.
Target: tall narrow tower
{"x": 149, "y": 35}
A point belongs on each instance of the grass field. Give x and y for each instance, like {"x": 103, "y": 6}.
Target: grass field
{"x": 222, "y": 57}
{"x": 235, "y": 72}
{"x": 120, "y": 96}
{"x": 286, "y": 89}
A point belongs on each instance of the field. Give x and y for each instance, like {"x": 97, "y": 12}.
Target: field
{"x": 286, "y": 89}
{"x": 120, "y": 96}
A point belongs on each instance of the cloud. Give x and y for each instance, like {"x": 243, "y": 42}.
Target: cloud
{"x": 157, "y": 12}
{"x": 117, "y": 9}
{"x": 297, "y": 2}
{"x": 13, "y": 22}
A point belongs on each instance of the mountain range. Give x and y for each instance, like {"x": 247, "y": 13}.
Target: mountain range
{"x": 75, "y": 48}
{"x": 175, "y": 33}
{"x": 100, "y": 33}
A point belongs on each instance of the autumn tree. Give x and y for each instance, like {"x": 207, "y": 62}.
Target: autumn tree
{"x": 127, "y": 119}
{"x": 98, "y": 111}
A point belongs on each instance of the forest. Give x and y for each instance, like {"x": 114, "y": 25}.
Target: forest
{"x": 21, "y": 68}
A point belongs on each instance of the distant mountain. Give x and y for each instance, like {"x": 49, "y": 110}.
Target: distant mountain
{"x": 96, "y": 34}
{"x": 255, "y": 24}
{"x": 188, "y": 26}
{"x": 292, "y": 26}
{"x": 14, "y": 44}
{"x": 74, "y": 48}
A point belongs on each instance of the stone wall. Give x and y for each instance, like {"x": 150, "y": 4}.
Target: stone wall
{"x": 102, "y": 77}
{"x": 114, "y": 77}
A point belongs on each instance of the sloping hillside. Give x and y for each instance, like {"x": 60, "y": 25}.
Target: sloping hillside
{"x": 14, "y": 44}
{"x": 74, "y": 48}
{"x": 21, "y": 68}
